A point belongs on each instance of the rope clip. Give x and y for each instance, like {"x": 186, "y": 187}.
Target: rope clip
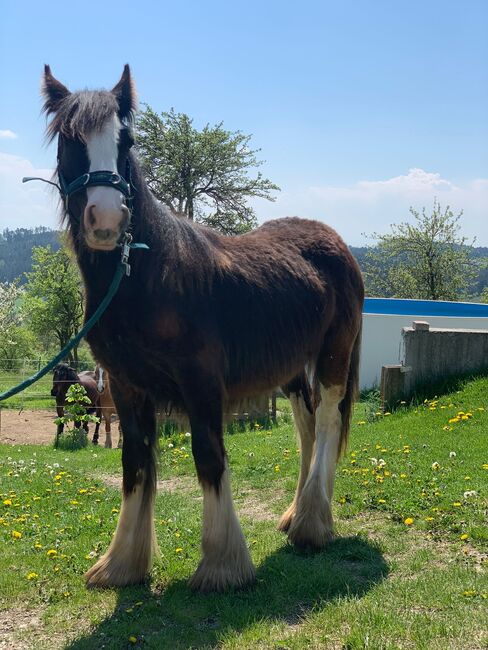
{"x": 124, "y": 257}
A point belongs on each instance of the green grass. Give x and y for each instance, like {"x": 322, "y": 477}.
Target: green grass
{"x": 37, "y": 396}
{"x": 382, "y": 583}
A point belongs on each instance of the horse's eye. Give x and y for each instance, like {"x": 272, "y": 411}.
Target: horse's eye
{"x": 126, "y": 138}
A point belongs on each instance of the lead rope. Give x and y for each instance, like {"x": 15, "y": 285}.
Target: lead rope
{"x": 123, "y": 269}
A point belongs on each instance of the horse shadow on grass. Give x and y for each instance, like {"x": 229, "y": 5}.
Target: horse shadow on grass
{"x": 290, "y": 585}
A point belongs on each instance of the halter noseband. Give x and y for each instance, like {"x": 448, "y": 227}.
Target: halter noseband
{"x": 91, "y": 179}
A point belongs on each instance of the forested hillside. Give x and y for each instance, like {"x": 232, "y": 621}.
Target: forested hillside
{"x": 16, "y": 253}
{"x": 16, "y": 250}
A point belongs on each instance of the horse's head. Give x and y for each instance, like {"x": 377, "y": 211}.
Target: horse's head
{"x": 64, "y": 376}
{"x": 94, "y": 131}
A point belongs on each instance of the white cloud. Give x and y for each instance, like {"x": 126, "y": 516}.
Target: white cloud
{"x": 371, "y": 206}
{"x": 25, "y": 205}
{"x": 7, "y": 134}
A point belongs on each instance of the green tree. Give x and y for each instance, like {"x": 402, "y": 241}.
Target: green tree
{"x": 16, "y": 342}
{"x": 53, "y": 302}
{"x": 427, "y": 259}
{"x": 202, "y": 175}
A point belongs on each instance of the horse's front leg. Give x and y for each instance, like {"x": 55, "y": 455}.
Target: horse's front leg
{"x": 60, "y": 426}
{"x": 107, "y": 414}
{"x": 128, "y": 559}
{"x": 226, "y": 561}
{"x": 96, "y": 434}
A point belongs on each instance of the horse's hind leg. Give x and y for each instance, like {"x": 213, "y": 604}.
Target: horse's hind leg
{"x": 298, "y": 392}
{"x": 312, "y": 524}
{"x": 226, "y": 562}
{"x": 129, "y": 556}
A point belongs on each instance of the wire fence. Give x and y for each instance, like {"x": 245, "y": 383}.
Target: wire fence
{"x": 37, "y": 397}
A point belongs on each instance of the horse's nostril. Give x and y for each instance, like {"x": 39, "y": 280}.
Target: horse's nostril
{"x": 91, "y": 217}
{"x": 103, "y": 233}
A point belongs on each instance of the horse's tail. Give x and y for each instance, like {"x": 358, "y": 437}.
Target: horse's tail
{"x": 352, "y": 389}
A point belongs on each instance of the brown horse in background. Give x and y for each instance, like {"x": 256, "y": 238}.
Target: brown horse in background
{"x": 203, "y": 320}
{"x": 107, "y": 405}
{"x": 64, "y": 376}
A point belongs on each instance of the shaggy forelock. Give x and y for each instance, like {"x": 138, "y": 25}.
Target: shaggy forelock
{"x": 80, "y": 114}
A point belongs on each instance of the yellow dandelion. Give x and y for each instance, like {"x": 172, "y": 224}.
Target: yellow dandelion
{"x": 277, "y": 468}
{"x": 16, "y": 534}
{"x": 464, "y": 536}
{"x": 32, "y": 575}
{"x": 408, "y": 521}
{"x": 435, "y": 465}
{"x": 82, "y": 491}
{"x": 403, "y": 476}
{"x": 342, "y": 500}
{"x": 132, "y": 639}
{"x": 381, "y": 500}
{"x": 114, "y": 510}
{"x": 362, "y": 422}
{"x": 7, "y": 502}
{"x": 178, "y": 550}
{"x": 52, "y": 552}
{"x": 457, "y": 504}
{"x": 429, "y": 519}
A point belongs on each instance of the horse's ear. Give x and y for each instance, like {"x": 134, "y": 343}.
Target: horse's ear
{"x": 125, "y": 93}
{"x": 53, "y": 90}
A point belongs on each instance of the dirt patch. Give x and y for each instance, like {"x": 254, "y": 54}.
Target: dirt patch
{"x": 27, "y": 427}
{"x": 17, "y": 622}
{"x": 252, "y": 507}
{"x": 176, "y": 484}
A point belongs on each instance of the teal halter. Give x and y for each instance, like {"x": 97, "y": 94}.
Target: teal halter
{"x": 91, "y": 179}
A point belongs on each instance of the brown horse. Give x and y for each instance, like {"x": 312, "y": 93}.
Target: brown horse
{"x": 63, "y": 377}
{"x": 202, "y": 321}
{"x": 107, "y": 405}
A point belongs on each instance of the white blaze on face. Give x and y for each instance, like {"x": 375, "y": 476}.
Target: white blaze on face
{"x": 100, "y": 379}
{"x": 102, "y": 149}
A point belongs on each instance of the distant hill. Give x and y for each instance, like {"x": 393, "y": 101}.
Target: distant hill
{"x": 16, "y": 251}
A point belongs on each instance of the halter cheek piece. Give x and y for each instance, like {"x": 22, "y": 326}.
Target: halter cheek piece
{"x": 91, "y": 179}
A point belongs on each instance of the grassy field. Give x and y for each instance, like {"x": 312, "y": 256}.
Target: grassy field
{"x": 37, "y": 396}
{"x": 407, "y": 570}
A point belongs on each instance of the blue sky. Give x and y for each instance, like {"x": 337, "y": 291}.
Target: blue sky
{"x": 361, "y": 108}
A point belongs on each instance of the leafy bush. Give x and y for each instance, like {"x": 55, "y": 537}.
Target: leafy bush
{"x": 76, "y": 416}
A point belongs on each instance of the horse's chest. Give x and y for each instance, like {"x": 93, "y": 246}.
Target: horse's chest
{"x": 140, "y": 349}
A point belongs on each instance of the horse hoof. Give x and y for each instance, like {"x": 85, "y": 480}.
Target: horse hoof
{"x": 110, "y": 571}
{"x": 211, "y": 576}
{"x": 310, "y": 532}
{"x": 286, "y": 519}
